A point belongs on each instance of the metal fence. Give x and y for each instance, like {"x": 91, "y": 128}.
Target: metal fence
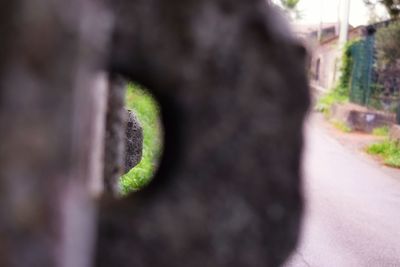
{"x": 369, "y": 86}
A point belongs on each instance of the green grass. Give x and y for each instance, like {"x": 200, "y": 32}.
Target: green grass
{"x": 325, "y": 103}
{"x": 388, "y": 150}
{"x": 148, "y": 114}
{"x": 381, "y": 131}
{"x": 341, "y": 126}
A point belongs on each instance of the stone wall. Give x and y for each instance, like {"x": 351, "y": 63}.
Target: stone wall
{"x": 360, "y": 118}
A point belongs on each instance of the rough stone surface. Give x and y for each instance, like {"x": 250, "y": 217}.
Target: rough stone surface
{"x": 116, "y": 119}
{"x": 133, "y": 141}
{"x": 50, "y": 120}
{"x": 233, "y": 93}
{"x": 361, "y": 118}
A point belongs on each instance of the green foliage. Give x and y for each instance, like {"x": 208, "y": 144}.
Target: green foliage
{"x": 147, "y": 112}
{"x": 290, "y": 4}
{"x": 388, "y": 150}
{"x": 381, "y": 131}
{"x": 340, "y": 94}
{"x": 393, "y": 160}
{"x": 387, "y": 45}
{"x": 289, "y": 7}
{"x": 325, "y": 103}
{"x": 341, "y": 126}
{"x": 346, "y": 68}
{"x": 380, "y": 148}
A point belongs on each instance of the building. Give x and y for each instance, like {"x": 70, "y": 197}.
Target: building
{"x": 325, "y": 60}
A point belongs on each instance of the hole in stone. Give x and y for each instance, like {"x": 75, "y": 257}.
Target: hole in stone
{"x": 147, "y": 112}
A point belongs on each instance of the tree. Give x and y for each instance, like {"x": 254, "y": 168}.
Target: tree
{"x": 388, "y": 59}
{"x": 392, "y": 6}
{"x": 387, "y": 45}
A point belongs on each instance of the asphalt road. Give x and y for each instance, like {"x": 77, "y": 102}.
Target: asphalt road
{"x": 353, "y": 208}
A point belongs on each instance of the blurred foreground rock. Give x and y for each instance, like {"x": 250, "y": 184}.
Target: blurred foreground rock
{"x": 233, "y": 93}
{"x": 52, "y": 113}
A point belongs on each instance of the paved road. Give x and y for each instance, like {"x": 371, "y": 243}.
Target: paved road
{"x": 353, "y": 208}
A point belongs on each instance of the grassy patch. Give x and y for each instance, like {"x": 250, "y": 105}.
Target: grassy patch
{"x": 147, "y": 112}
{"x": 381, "y": 131}
{"x": 388, "y": 150}
{"x": 341, "y": 126}
{"x": 325, "y": 103}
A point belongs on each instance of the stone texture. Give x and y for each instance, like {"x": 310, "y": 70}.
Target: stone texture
{"x": 133, "y": 141}
{"x": 360, "y": 118}
{"x": 51, "y": 112}
{"x": 116, "y": 119}
{"x": 233, "y": 93}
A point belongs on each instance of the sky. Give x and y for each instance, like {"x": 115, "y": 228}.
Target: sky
{"x": 310, "y": 10}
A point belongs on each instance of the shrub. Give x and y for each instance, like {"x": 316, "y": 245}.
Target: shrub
{"x": 381, "y": 131}
{"x": 388, "y": 150}
{"x": 325, "y": 103}
{"x": 387, "y": 45}
{"x": 346, "y": 68}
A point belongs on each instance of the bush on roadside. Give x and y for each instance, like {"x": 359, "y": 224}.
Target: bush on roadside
{"x": 381, "y": 131}
{"x": 388, "y": 150}
{"x": 326, "y": 102}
